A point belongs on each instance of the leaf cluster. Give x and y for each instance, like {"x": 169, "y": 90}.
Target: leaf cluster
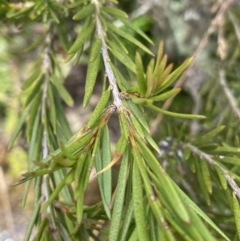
{"x": 151, "y": 198}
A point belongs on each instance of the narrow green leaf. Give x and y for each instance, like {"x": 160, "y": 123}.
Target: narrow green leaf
{"x": 99, "y": 169}
{"x": 162, "y": 78}
{"x": 70, "y": 56}
{"x": 34, "y": 77}
{"x": 122, "y": 83}
{"x": 191, "y": 163}
{"x": 18, "y": 128}
{"x": 140, "y": 75}
{"x": 201, "y": 182}
{"x": 166, "y": 95}
{"x": 52, "y": 106}
{"x": 138, "y": 204}
{"x": 226, "y": 150}
{"x": 137, "y": 30}
{"x": 153, "y": 226}
{"x": 119, "y": 198}
{"x": 206, "y": 175}
{"x": 134, "y": 236}
{"x": 36, "y": 133}
{"x": 121, "y": 145}
{"x": 64, "y": 162}
{"x": 221, "y": 176}
{"x": 208, "y": 136}
{"x": 84, "y": 34}
{"x": 62, "y": 123}
{"x": 209, "y": 146}
{"x": 152, "y": 199}
{"x": 99, "y": 108}
{"x": 124, "y": 123}
{"x": 62, "y": 91}
{"x": 151, "y": 82}
{"x": 159, "y": 56}
{"x": 179, "y": 115}
{"x": 175, "y": 74}
{"x": 75, "y": 4}
{"x": 141, "y": 101}
{"x": 114, "y": 12}
{"x": 78, "y": 55}
{"x": 95, "y": 49}
{"x": 192, "y": 205}
{"x": 34, "y": 45}
{"x": 166, "y": 183}
{"x": 139, "y": 114}
{"x": 53, "y": 14}
{"x": 128, "y": 37}
{"x": 86, "y": 11}
{"x": 198, "y": 229}
{"x": 150, "y": 140}
{"x": 161, "y": 67}
{"x": 92, "y": 72}
{"x": 120, "y": 148}
{"x": 79, "y": 166}
{"x": 230, "y": 160}
{"x": 133, "y": 89}
{"x": 32, "y": 91}
{"x": 126, "y": 222}
{"x": 106, "y": 158}
{"x": 31, "y": 222}
{"x": 117, "y": 41}
{"x": 35, "y": 107}
{"x": 41, "y": 228}
{"x": 124, "y": 59}
{"x": 236, "y": 212}
{"x": 56, "y": 191}
{"x": 104, "y": 23}
{"x": 79, "y": 206}
{"x": 137, "y": 126}
{"x": 175, "y": 226}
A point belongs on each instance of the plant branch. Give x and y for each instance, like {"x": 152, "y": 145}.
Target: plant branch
{"x": 212, "y": 162}
{"x": 46, "y": 67}
{"x": 200, "y": 47}
{"x": 45, "y": 152}
{"x": 228, "y": 93}
{"x": 109, "y": 72}
{"x": 235, "y": 25}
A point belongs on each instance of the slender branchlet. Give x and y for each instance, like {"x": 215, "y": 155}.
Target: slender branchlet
{"x": 232, "y": 100}
{"x": 109, "y": 72}
{"x": 46, "y": 68}
{"x": 212, "y": 162}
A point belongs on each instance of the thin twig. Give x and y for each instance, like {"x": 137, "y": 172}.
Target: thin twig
{"x": 45, "y": 152}
{"x": 201, "y": 46}
{"x": 109, "y": 72}
{"x": 212, "y": 162}
{"x": 235, "y": 25}
{"x": 228, "y": 93}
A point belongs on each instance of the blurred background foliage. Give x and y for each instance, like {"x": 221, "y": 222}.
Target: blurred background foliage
{"x": 211, "y": 87}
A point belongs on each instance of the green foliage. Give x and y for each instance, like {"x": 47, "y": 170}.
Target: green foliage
{"x": 152, "y": 200}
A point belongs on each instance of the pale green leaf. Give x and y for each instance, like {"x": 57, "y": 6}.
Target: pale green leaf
{"x": 123, "y": 58}
{"x": 140, "y": 75}
{"x": 114, "y": 12}
{"x": 127, "y": 36}
{"x": 92, "y": 72}
{"x": 86, "y": 11}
